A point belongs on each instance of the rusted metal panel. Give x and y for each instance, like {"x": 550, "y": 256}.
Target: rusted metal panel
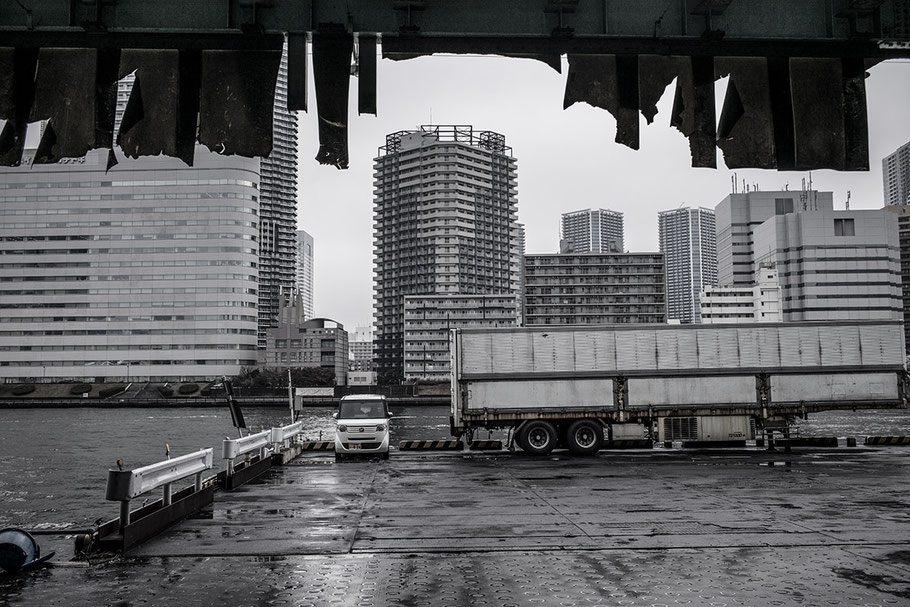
{"x": 817, "y": 94}
{"x": 856, "y": 125}
{"x": 332, "y": 50}
{"x": 655, "y": 74}
{"x": 745, "y": 130}
{"x": 366, "y": 75}
{"x": 609, "y": 82}
{"x": 65, "y": 97}
{"x": 702, "y": 141}
{"x": 149, "y": 123}
{"x": 17, "y": 93}
{"x": 237, "y": 100}
{"x": 297, "y": 71}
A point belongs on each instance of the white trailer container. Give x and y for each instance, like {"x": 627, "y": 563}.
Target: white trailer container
{"x": 569, "y": 384}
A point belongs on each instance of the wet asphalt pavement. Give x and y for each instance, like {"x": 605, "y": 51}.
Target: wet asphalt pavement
{"x": 663, "y": 527}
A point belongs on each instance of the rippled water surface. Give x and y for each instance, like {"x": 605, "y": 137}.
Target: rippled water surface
{"x": 53, "y": 463}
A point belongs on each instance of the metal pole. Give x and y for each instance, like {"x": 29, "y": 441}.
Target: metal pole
{"x": 166, "y": 498}
{"x": 124, "y": 514}
{"x": 199, "y": 481}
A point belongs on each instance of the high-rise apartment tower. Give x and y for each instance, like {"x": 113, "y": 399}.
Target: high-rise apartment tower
{"x": 688, "y": 240}
{"x": 593, "y": 231}
{"x": 896, "y": 176}
{"x": 305, "y": 272}
{"x": 445, "y": 212}
{"x": 278, "y": 208}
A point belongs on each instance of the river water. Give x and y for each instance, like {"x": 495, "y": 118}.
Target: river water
{"x": 54, "y": 462}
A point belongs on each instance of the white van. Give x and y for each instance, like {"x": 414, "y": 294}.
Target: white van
{"x": 362, "y": 426}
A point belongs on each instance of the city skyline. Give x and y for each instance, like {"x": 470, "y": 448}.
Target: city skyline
{"x": 566, "y": 157}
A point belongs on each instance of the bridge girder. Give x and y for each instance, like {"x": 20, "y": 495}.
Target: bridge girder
{"x": 795, "y": 68}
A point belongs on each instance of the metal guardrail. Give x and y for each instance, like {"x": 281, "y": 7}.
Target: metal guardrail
{"x": 124, "y": 485}
{"x": 231, "y": 449}
{"x": 286, "y": 433}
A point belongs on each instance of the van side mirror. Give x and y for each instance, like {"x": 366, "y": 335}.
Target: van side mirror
{"x": 335, "y": 415}
{"x": 389, "y": 414}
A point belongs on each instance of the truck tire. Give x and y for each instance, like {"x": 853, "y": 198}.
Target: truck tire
{"x": 537, "y": 437}
{"x": 585, "y": 437}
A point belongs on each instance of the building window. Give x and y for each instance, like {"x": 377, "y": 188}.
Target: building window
{"x": 844, "y": 227}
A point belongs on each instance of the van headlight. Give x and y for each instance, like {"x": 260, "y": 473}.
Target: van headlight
{"x": 380, "y": 428}
{"x": 342, "y": 428}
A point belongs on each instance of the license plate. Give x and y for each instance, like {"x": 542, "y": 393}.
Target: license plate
{"x": 354, "y": 446}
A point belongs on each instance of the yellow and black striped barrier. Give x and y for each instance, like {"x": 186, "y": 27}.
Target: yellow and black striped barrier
{"x": 485, "y": 445}
{"x": 321, "y": 445}
{"x": 430, "y": 445}
{"x": 882, "y": 441}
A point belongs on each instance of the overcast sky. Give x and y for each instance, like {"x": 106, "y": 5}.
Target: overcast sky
{"x": 567, "y": 161}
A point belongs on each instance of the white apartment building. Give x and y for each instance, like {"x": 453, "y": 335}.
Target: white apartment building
{"x": 304, "y": 278}
{"x": 361, "y": 347}
{"x": 834, "y": 265}
{"x": 144, "y": 271}
{"x": 896, "y": 176}
{"x": 429, "y": 319}
{"x": 688, "y": 241}
{"x": 592, "y": 231}
{"x": 739, "y": 214}
{"x": 732, "y": 304}
{"x": 445, "y": 223}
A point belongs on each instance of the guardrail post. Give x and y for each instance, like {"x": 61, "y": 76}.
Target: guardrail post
{"x": 166, "y": 497}
{"x": 124, "y": 514}
{"x": 198, "y": 482}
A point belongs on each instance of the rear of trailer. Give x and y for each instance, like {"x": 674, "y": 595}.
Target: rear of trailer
{"x": 590, "y": 379}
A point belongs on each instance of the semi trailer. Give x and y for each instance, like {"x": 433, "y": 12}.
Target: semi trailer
{"x": 577, "y": 387}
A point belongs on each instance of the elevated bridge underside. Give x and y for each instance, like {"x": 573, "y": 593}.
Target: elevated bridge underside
{"x": 206, "y": 70}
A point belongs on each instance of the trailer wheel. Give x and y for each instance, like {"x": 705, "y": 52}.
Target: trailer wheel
{"x": 537, "y": 437}
{"x": 585, "y": 437}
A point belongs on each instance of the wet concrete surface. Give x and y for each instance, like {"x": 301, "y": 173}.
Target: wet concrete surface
{"x": 641, "y": 528}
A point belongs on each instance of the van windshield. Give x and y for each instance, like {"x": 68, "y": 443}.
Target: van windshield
{"x": 361, "y": 410}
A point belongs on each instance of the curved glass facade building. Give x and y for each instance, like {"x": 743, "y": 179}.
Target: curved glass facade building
{"x": 146, "y": 271}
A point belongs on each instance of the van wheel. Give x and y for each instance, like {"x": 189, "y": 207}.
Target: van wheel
{"x": 537, "y": 437}
{"x": 385, "y": 455}
{"x": 338, "y": 457}
{"x": 585, "y": 437}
